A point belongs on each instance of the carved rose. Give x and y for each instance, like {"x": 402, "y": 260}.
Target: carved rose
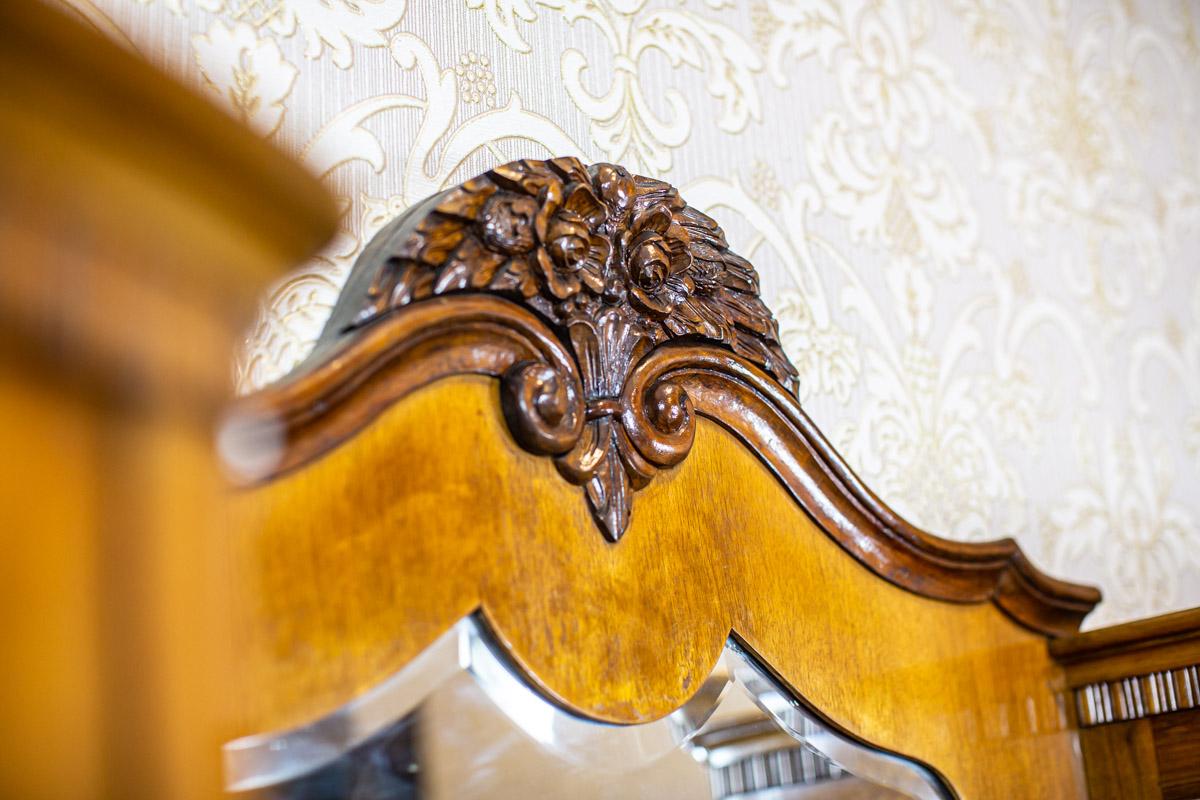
{"x": 573, "y": 240}
{"x": 617, "y": 189}
{"x": 507, "y": 223}
{"x": 574, "y": 254}
{"x": 557, "y": 236}
{"x": 657, "y": 260}
{"x": 559, "y": 224}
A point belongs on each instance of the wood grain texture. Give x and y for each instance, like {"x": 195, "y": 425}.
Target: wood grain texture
{"x": 1133, "y": 648}
{"x": 1177, "y": 754}
{"x": 348, "y": 567}
{"x": 614, "y": 313}
{"x": 1138, "y": 669}
{"x": 394, "y": 487}
{"x": 350, "y": 381}
{"x": 1146, "y": 759}
{"x": 618, "y": 264}
{"x": 1120, "y": 762}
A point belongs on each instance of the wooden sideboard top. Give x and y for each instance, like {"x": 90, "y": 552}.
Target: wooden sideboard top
{"x": 1158, "y": 632}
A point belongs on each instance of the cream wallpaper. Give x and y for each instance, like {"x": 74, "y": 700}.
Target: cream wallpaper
{"x": 977, "y": 220}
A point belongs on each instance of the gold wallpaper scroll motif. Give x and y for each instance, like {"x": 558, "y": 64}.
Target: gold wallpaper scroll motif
{"x": 978, "y": 221}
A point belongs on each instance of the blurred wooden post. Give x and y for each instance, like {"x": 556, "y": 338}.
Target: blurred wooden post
{"x": 137, "y": 226}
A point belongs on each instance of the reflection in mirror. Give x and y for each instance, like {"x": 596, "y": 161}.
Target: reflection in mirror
{"x": 460, "y": 723}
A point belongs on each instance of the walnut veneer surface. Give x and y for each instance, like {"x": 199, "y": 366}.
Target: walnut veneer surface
{"x": 353, "y": 565}
{"x": 394, "y": 487}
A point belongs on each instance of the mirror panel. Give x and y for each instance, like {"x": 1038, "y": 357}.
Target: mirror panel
{"x": 459, "y": 722}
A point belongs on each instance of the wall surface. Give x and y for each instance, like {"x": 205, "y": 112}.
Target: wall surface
{"x": 978, "y": 221}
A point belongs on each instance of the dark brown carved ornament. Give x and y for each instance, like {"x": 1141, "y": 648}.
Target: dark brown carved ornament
{"x": 618, "y": 264}
{"x": 614, "y": 315}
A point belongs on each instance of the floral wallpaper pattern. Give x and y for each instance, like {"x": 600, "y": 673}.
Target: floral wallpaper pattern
{"x": 977, "y": 220}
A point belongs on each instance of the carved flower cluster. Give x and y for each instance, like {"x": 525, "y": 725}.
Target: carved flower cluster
{"x": 618, "y": 264}
{"x": 581, "y": 233}
{"x": 571, "y": 241}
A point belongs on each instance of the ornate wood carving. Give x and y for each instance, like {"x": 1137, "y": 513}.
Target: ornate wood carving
{"x": 614, "y": 315}
{"x": 618, "y": 264}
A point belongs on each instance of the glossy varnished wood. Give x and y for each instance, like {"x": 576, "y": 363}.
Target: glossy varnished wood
{"x": 1139, "y": 669}
{"x": 394, "y": 487}
{"x": 350, "y": 380}
{"x": 614, "y": 314}
{"x": 1154, "y": 758}
{"x": 1120, "y": 762}
{"x": 1177, "y": 754}
{"x": 1133, "y": 648}
{"x": 348, "y": 567}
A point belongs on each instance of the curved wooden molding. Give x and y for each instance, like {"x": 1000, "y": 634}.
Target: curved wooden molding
{"x": 614, "y": 315}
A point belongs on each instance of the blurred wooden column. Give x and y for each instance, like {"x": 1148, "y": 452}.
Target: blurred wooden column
{"x": 137, "y": 226}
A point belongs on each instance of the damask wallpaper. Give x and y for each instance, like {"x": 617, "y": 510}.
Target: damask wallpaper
{"x": 977, "y": 220}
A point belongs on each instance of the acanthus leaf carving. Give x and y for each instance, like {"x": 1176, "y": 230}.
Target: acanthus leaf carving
{"x": 619, "y": 265}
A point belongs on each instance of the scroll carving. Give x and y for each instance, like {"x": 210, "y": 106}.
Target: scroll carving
{"x": 618, "y": 264}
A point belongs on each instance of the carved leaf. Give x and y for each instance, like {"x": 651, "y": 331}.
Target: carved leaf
{"x": 729, "y": 60}
{"x": 609, "y": 493}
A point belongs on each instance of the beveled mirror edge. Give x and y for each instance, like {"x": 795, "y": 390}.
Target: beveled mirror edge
{"x": 272, "y": 759}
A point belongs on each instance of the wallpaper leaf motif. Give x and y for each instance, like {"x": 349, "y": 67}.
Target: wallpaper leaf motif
{"x": 624, "y": 123}
{"x": 247, "y": 73}
{"x": 728, "y": 59}
{"x": 502, "y": 16}
{"x": 912, "y": 208}
{"x": 977, "y": 222}
{"x": 333, "y": 24}
{"x": 1126, "y": 495}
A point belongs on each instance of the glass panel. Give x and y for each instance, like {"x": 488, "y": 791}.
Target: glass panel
{"x": 458, "y": 723}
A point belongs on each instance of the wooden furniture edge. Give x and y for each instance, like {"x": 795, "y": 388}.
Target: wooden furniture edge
{"x": 1135, "y": 670}
{"x": 503, "y": 276}
{"x": 1142, "y": 634}
{"x": 167, "y": 127}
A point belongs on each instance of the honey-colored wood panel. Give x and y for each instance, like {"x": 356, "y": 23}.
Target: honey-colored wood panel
{"x": 497, "y": 277}
{"x": 345, "y": 569}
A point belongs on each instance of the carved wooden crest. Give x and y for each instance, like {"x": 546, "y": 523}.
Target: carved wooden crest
{"x": 614, "y": 317}
{"x": 618, "y": 265}
{"x": 384, "y": 498}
